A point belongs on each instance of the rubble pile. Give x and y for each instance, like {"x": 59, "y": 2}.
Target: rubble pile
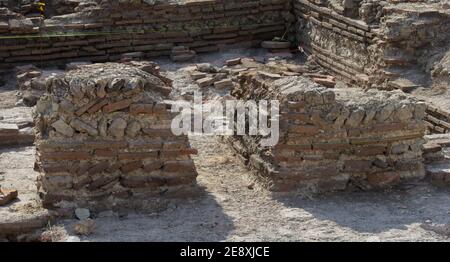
{"x": 333, "y": 139}
{"x": 103, "y": 139}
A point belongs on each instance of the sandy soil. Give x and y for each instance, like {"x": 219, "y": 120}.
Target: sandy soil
{"x": 232, "y": 208}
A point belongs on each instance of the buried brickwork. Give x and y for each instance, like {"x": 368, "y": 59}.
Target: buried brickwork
{"x": 331, "y": 139}
{"x": 103, "y": 139}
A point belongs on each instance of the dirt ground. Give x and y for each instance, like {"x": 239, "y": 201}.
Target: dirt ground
{"x": 232, "y": 208}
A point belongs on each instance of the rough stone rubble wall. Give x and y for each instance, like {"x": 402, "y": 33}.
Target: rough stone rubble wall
{"x": 104, "y": 32}
{"x": 103, "y": 139}
{"x": 333, "y": 139}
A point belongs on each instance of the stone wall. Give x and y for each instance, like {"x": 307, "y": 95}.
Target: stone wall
{"x": 102, "y": 32}
{"x": 333, "y": 139}
{"x": 103, "y": 139}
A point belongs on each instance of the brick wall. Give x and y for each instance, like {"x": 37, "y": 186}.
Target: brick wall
{"x": 338, "y": 43}
{"x": 333, "y": 139}
{"x": 104, "y": 32}
{"x": 103, "y": 139}
{"x": 389, "y": 45}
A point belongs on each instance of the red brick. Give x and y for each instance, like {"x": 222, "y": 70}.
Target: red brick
{"x": 160, "y": 108}
{"x": 153, "y": 166}
{"x": 117, "y": 106}
{"x": 98, "y": 106}
{"x": 382, "y": 180}
{"x": 102, "y": 181}
{"x": 138, "y": 155}
{"x": 178, "y": 166}
{"x": 145, "y": 145}
{"x": 84, "y": 108}
{"x": 98, "y": 168}
{"x": 331, "y": 146}
{"x": 8, "y": 129}
{"x": 66, "y": 155}
{"x": 174, "y": 145}
{"x": 388, "y": 127}
{"x": 299, "y": 147}
{"x": 158, "y": 132}
{"x": 306, "y": 130}
{"x": 327, "y": 82}
{"x": 132, "y": 166}
{"x": 105, "y": 144}
{"x": 55, "y": 168}
{"x": 370, "y": 151}
{"x": 82, "y": 182}
{"x": 105, "y": 153}
{"x": 136, "y": 109}
{"x": 298, "y": 116}
{"x": 357, "y": 166}
{"x": 175, "y": 153}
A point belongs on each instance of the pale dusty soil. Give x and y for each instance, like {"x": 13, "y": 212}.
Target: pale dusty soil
{"x": 232, "y": 209}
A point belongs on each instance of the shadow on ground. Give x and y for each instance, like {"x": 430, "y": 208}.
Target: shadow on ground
{"x": 378, "y": 212}
{"x": 200, "y": 219}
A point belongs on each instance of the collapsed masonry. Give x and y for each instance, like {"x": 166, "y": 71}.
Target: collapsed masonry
{"x": 333, "y": 138}
{"x": 103, "y": 139}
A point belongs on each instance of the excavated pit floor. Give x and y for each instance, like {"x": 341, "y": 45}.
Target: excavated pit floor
{"x": 233, "y": 208}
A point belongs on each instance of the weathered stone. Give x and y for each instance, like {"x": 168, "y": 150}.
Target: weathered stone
{"x": 205, "y": 82}
{"x": 133, "y": 129}
{"x": 116, "y": 84}
{"x": 81, "y": 126}
{"x": 63, "y": 128}
{"x": 82, "y": 213}
{"x": 226, "y": 83}
{"x": 117, "y": 128}
{"x": 206, "y": 68}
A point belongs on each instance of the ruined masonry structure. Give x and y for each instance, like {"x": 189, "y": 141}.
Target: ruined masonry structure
{"x": 333, "y": 138}
{"x": 393, "y": 44}
{"x": 103, "y": 31}
{"x": 103, "y": 139}
{"x": 389, "y": 45}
